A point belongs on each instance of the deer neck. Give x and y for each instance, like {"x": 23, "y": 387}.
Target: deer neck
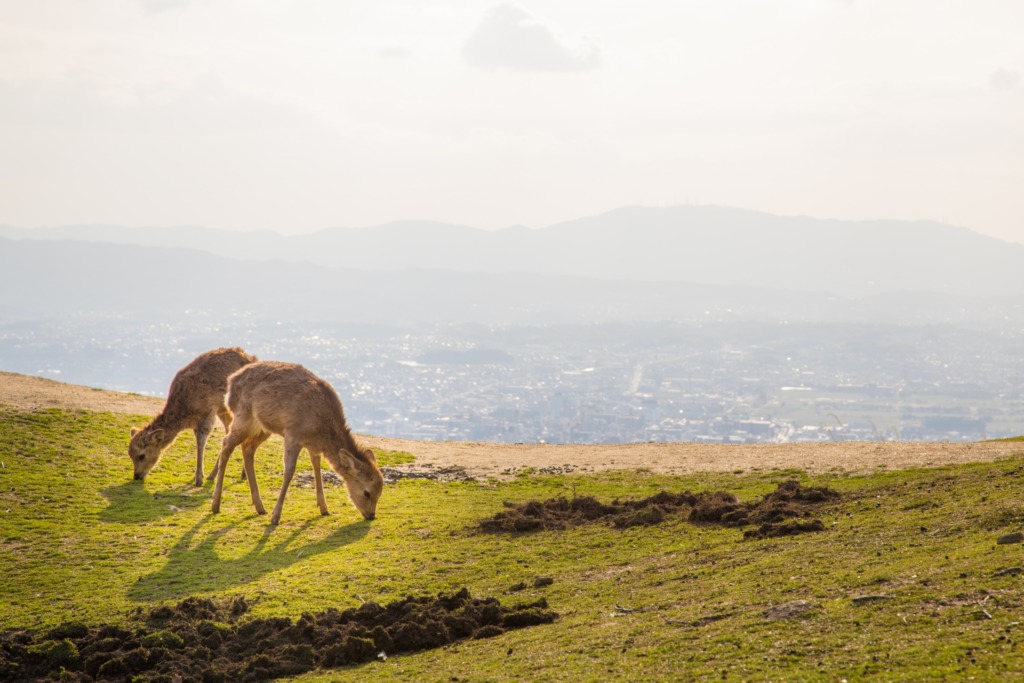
{"x": 342, "y": 440}
{"x": 169, "y": 424}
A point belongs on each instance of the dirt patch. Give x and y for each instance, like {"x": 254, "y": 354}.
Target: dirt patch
{"x": 783, "y": 512}
{"x": 505, "y": 460}
{"x": 200, "y": 640}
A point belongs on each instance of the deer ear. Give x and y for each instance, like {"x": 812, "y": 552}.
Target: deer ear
{"x": 346, "y": 460}
{"x": 133, "y": 431}
{"x": 158, "y": 434}
{"x": 370, "y": 457}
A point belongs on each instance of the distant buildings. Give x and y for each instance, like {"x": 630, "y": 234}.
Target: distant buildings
{"x": 588, "y": 384}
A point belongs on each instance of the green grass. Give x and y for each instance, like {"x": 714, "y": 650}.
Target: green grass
{"x": 80, "y": 540}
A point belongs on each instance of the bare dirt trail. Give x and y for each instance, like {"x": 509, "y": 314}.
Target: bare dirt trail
{"x": 492, "y": 459}
{"x": 497, "y": 459}
{"x": 37, "y": 393}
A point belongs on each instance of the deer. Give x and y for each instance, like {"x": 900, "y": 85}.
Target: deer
{"x": 273, "y": 397}
{"x": 195, "y": 400}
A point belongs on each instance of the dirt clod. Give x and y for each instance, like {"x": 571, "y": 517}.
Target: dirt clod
{"x": 1009, "y": 571}
{"x": 782, "y": 512}
{"x": 205, "y": 641}
{"x": 392, "y": 474}
{"x": 788, "y": 610}
{"x": 788, "y": 528}
{"x": 865, "y": 599}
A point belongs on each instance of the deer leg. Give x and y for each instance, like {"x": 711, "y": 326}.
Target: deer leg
{"x": 202, "y": 430}
{"x": 226, "y": 418}
{"x": 291, "y": 457}
{"x": 230, "y": 442}
{"x": 321, "y": 502}
{"x": 249, "y": 447}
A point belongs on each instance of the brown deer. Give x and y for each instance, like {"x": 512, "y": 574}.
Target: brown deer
{"x": 287, "y": 399}
{"x": 194, "y": 401}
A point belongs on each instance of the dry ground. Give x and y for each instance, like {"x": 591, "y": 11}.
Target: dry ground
{"x": 496, "y": 459}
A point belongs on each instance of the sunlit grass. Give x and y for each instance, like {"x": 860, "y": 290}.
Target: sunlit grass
{"x": 81, "y": 540}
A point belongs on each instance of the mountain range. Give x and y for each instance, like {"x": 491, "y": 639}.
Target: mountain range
{"x": 694, "y": 244}
{"x": 628, "y": 264}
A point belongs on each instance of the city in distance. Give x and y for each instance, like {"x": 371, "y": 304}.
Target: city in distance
{"x": 681, "y": 324}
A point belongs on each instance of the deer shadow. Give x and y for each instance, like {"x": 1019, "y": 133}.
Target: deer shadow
{"x": 131, "y": 503}
{"x": 198, "y": 567}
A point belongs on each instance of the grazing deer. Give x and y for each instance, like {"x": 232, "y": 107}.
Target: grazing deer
{"x": 287, "y": 399}
{"x": 194, "y": 401}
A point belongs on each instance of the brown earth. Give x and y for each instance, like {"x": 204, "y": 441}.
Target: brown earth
{"x": 200, "y": 640}
{"x": 498, "y": 459}
{"x": 783, "y": 512}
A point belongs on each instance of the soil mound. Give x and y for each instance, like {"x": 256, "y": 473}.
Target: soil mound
{"x": 200, "y": 640}
{"x": 777, "y": 514}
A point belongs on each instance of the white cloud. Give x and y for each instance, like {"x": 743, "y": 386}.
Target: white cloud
{"x": 157, "y": 6}
{"x": 510, "y": 37}
{"x": 204, "y": 106}
{"x": 1002, "y": 80}
{"x": 396, "y": 52}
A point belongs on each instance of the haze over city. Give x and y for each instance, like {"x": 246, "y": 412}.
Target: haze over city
{"x": 805, "y": 215}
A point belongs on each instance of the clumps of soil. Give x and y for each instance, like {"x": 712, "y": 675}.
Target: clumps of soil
{"x": 783, "y": 512}
{"x": 393, "y": 474}
{"x": 200, "y": 640}
{"x": 539, "y": 582}
{"x": 549, "y": 469}
{"x": 425, "y": 471}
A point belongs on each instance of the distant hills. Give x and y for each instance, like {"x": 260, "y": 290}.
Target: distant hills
{"x": 61, "y": 277}
{"x": 701, "y": 245}
{"x": 682, "y": 263}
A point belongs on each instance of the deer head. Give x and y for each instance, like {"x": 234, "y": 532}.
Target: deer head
{"x": 363, "y": 480}
{"x": 144, "y": 449}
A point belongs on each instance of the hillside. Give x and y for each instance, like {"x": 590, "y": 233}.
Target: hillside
{"x": 497, "y": 460}
{"x": 841, "y": 570}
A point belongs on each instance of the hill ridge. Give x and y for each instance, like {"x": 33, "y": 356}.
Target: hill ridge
{"x": 699, "y": 244}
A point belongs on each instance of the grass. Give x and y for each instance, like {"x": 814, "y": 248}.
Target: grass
{"x": 80, "y": 540}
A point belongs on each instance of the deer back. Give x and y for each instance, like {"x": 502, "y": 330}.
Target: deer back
{"x": 288, "y": 399}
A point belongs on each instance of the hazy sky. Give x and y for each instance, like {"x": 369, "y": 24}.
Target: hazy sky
{"x": 301, "y": 115}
